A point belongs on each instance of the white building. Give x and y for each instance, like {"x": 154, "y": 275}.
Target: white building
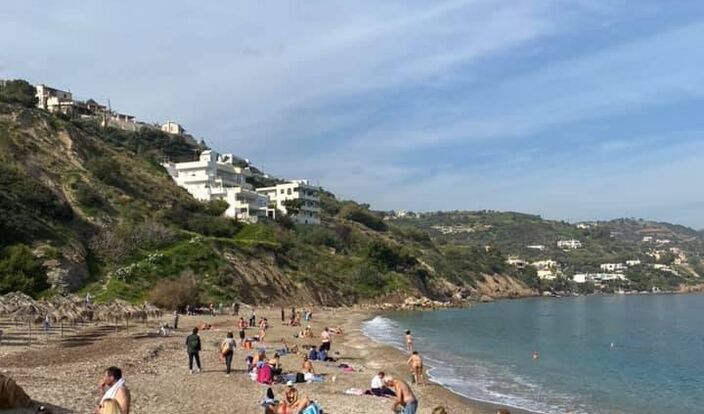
{"x": 613, "y": 267}
{"x": 597, "y": 277}
{"x": 547, "y": 274}
{"x": 545, "y": 264}
{"x": 214, "y": 177}
{"x": 569, "y": 244}
{"x": 536, "y": 247}
{"x": 53, "y": 100}
{"x": 308, "y": 196}
{"x": 634, "y": 262}
{"x": 172, "y": 128}
{"x": 647, "y": 239}
{"x": 516, "y": 261}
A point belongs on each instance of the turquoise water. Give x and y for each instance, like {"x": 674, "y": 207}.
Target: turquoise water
{"x": 598, "y": 354}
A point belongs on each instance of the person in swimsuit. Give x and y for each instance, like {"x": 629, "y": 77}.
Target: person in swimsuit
{"x": 415, "y": 362}
{"x": 409, "y": 341}
{"x": 292, "y": 404}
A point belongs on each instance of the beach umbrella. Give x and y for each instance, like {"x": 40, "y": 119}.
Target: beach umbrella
{"x": 29, "y": 312}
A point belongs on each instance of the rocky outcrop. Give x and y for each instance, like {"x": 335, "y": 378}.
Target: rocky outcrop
{"x": 66, "y": 269}
{"x": 12, "y": 395}
{"x": 497, "y": 287}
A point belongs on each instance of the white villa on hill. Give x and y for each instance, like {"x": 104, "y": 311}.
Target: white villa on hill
{"x": 597, "y": 277}
{"x": 569, "y": 244}
{"x": 308, "y": 195}
{"x": 613, "y": 267}
{"x": 214, "y": 177}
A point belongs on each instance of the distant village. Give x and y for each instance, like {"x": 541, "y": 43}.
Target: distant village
{"x": 212, "y": 177}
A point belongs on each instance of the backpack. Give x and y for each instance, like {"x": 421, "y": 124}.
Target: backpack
{"x": 193, "y": 343}
{"x": 225, "y": 348}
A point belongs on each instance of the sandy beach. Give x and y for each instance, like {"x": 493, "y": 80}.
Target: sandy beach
{"x": 63, "y": 374}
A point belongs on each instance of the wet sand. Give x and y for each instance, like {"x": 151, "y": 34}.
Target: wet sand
{"x": 63, "y": 375}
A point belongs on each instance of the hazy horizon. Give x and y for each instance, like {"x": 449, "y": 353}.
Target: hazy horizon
{"x": 576, "y": 111}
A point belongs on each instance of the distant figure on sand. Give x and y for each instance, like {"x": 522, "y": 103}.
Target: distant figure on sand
{"x": 415, "y": 362}
{"x": 253, "y": 319}
{"x": 404, "y": 396}
{"x": 378, "y": 387}
{"x": 193, "y": 349}
{"x": 175, "y": 320}
{"x": 227, "y": 349}
{"x": 326, "y": 341}
{"x": 409, "y": 341}
{"x": 241, "y": 326}
{"x": 112, "y": 387}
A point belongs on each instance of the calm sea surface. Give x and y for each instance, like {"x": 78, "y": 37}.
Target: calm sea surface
{"x": 611, "y": 354}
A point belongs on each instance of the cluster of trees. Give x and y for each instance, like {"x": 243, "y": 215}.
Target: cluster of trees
{"x": 21, "y": 271}
{"x": 18, "y": 91}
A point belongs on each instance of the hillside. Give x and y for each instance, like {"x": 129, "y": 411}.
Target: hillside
{"x": 531, "y": 238}
{"x": 90, "y": 210}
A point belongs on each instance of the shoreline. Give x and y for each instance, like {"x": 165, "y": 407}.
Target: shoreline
{"x": 444, "y": 392}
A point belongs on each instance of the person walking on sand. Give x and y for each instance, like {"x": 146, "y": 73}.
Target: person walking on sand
{"x": 241, "y": 326}
{"x": 227, "y": 349}
{"x": 112, "y": 387}
{"x": 283, "y": 315}
{"x": 415, "y": 362}
{"x": 253, "y": 319}
{"x": 404, "y": 396}
{"x": 193, "y": 349}
{"x": 409, "y": 342}
{"x": 175, "y": 320}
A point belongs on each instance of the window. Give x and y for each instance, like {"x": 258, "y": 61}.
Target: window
{"x": 282, "y": 191}
{"x": 288, "y": 191}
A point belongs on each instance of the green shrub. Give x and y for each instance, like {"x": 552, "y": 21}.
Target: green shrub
{"x": 21, "y": 271}
{"x": 18, "y": 91}
{"x": 216, "y": 207}
{"x": 387, "y": 257}
{"x": 356, "y": 213}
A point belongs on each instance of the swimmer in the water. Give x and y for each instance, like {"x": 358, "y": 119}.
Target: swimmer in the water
{"x": 536, "y": 355}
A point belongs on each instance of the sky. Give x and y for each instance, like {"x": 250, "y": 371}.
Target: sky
{"x": 571, "y": 109}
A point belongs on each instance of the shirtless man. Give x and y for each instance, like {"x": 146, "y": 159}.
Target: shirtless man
{"x": 112, "y": 386}
{"x": 415, "y": 362}
{"x": 241, "y": 326}
{"x": 404, "y": 396}
{"x": 409, "y": 341}
{"x": 292, "y": 404}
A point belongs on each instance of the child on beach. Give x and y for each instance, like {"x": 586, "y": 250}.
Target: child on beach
{"x": 409, "y": 341}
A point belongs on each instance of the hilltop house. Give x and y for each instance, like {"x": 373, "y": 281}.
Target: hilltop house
{"x": 634, "y": 262}
{"x": 307, "y": 198}
{"x": 214, "y": 177}
{"x": 173, "y": 128}
{"x": 518, "y": 262}
{"x": 569, "y": 244}
{"x": 536, "y": 247}
{"x": 53, "y": 100}
{"x": 612, "y": 267}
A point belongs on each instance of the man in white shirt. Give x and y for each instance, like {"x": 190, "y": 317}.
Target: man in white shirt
{"x": 378, "y": 387}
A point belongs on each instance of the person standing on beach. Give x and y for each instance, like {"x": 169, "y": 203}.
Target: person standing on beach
{"x": 193, "y": 348}
{"x": 326, "y": 340}
{"x": 227, "y": 349}
{"x": 112, "y": 387}
{"x": 409, "y": 342}
{"x": 283, "y": 315}
{"x": 241, "y": 326}
{"x": 175, "y": 320}
{"x": 415, "y": 362}
{"x": 253, "y": 319}
{"x": 404, "y": 396}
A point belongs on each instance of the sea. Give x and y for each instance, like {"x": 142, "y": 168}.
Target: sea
{"x": 596, "y": 354}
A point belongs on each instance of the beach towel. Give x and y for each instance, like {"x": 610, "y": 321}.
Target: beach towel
{"x": 313, "y": 408}
{"x": 112, "y": 391}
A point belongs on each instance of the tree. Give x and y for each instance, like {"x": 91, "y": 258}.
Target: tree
{"x": 18, "y": 91}
{"x": 293, "y": 207}
{"x": 21, "y": 271}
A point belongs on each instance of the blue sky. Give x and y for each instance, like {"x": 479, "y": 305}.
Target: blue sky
{"x": 570, "y": 109}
